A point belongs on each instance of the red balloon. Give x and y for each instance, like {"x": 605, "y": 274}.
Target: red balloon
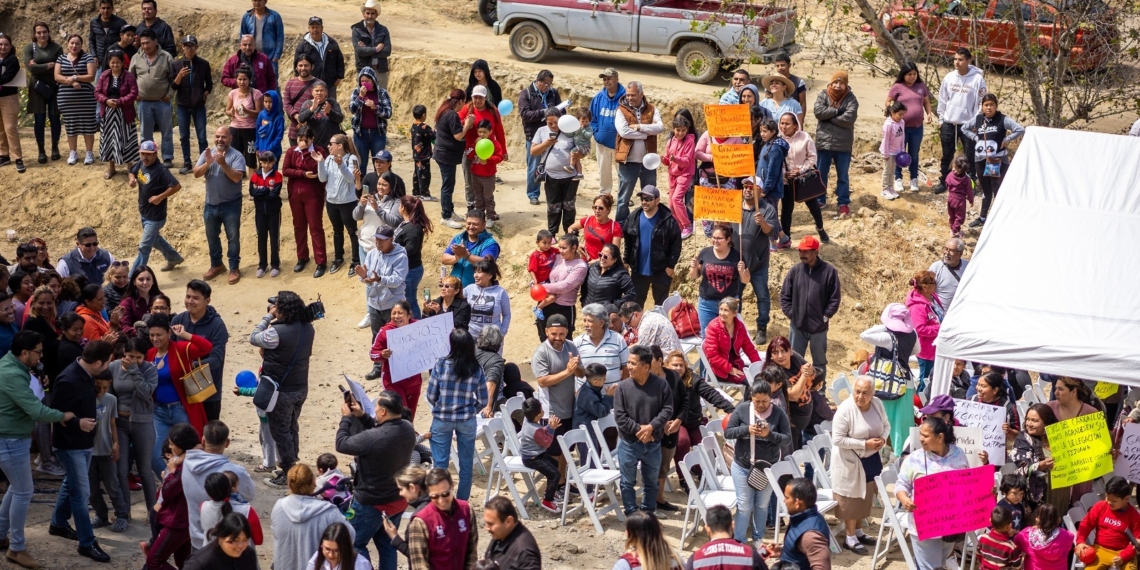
{"x": 537, "y": 292}
{"x": 724, "y": 423}
{"x": 1088, "y": 556}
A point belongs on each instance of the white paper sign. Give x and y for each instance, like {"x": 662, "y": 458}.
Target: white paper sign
{"x": 989, "y": 419}
{"x": 1128, "y": 463}
{"x": 416, "y": 347}
{"x": 361, "y": 396}
{"x": 970, "y": 440}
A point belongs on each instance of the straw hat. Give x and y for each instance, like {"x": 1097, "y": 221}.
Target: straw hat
{"x": 789, "y": 87}
{"x": 373, "y": 4}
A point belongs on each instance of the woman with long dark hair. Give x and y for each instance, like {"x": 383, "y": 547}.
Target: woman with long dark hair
{"x": 481, "y": 75}
{"x": 116, "y": 92}
{"x": 912, "y": 92}
{"x": 410, "y": 233}
{"x": 75, "y": 73}
{"x": 645, "y": 545}
{"x": 336, "y": 551}
{"x": 92, "y": 301}
{"x": 795, "y": 389}
{"x": 991, "y": 390}
{"x": 801, "y": 159}
{"x": 721, "y": 271}
{"x": 141, "y": 292}
{"x": 228, "y": 547}
{"x": 448, "y": 153}
{"x": 40, "y": 57}
{"x": 1034, "y": 460}
{"x": 339, "y": 171}
{"x": 457, "y": 392}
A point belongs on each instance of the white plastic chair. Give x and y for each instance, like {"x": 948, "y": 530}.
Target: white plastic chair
{"x": 820, "y": 476}
{"x": 600, "y": 426}
{"x": 824, "y": 427}
{"x": 711, "y": 378}
{"x": 669, "y": 303}
{"x": 505, "y": 466}
{"x": 839, "y": 389}
{"x": 714, "y": 456}
{"x": 600, "y": 478}
{"x": 1088, "y": 500}
{"x": 821, "y": 446}
{"x": 701, "y": 496}
{"x": 892, "y": 525}
{"x": 754, "y": 369}
{"x": 787, "y": 468}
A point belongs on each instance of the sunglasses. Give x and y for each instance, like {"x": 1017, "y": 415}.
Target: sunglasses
{"x": 605, "y": 256}
{"x": 92, "y": 244}
{"x": 599, "y": 208}
{"x": 442, "y": 495}
{"x": 120, "y": 263}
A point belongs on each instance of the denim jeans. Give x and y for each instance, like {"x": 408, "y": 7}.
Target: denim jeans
{"x": 707, "y": 310}
{"x": 153, "y": 113}
{"x": 818, "y": 343}
{"x": 152, "y": 238}
{"x": 16, "y": 462}
{"x": 185, "y": 115}
{"x": 531, "y": 165}
{"x": 411, "y": 284}
{"x": 629, "y": 174}
{"x": 447, "y": 189}
{"x": 368, "y": 143}
{"x": 763, "y": 297}
{"x": 369, "y": 526}
{"x": 165, "y": 417}
{"x": 441, "y": 436}
{"x": 912, "y": 136}
{"x": 629, "y": 454}
{"x": 751, "y": 505}
{"x": 74, "y": 494}
{"x": 227, "y": 215}
{"x": 925, "y": 374}
{"x": 842, "y": 162}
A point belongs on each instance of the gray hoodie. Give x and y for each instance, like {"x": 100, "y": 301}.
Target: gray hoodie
{"x": 298, "y": 522}
{"x": 134, "y": 389}
{"x": 197, "y": 466}
{"x": 392, "y": 270}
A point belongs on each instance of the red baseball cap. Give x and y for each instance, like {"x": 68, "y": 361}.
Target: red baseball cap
{"x": 808, "y": 243}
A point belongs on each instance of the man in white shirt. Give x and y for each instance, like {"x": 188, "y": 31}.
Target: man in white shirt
{"x": 959, "y": 102}
{"x": 601, "y": 345}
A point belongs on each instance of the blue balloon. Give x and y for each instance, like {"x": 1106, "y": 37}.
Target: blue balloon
{"x": 505, "y": 107}
{"x": 246, "y": 379}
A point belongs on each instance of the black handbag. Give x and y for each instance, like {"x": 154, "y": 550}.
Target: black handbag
{"x": 872, "y": 466}
{"x": 807, "y": 186}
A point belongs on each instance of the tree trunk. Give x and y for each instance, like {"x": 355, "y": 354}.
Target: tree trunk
{"x": 872, "y": 18}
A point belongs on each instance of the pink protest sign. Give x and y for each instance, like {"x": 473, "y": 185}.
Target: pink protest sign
{"x": 952, "y": 502}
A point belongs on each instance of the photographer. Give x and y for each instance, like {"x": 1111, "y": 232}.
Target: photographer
{"x": 381, "y": 451}
{"x": 285, "y": 336}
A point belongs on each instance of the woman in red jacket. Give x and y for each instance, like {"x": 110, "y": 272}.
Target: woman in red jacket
{"x": 174, "y": 354}
{"x": 408, "y": 387}
{"x": 306, "y": 199}
{"x": 725, "y": 338}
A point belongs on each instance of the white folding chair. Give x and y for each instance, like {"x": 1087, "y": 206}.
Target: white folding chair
{"x": 820, "y": 477}
{"x": 754, "y": 369}
{"x": 824, "y": 427}
{"x": 839, "y": 389}
{"x": 1040, "y": 391}
{"x": 599, "y": 477}
{"x": 1072, "y": 520}
{"x": 787, "y": 468}
{"x": 892, "y": 525}
{"x": 701, "y": 495}
{"x": 504, "y": 466}
{"x": 1088, "y": 500}
{"x": 669, "y": 303}
{"x": 1098, "y": 485}
{"x": 714, "y": 457}
{"x": 510, "y": 406}
{"x": 600, "y": 426}
{"x": 821, "y": 446}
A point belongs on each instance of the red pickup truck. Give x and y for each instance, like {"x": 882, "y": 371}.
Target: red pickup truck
{"x": 939, "y": 28}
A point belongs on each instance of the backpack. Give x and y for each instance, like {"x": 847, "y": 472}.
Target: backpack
{"x": 685, "y": 321}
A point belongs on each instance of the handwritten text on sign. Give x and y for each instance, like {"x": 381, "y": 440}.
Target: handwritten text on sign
{"x": 717, "y": 205}
{"x": 728, "y": 120}
{"x": 1081, "y": 449}
{"x": 952, "y": 502}
{"x": 987, "y": 418}
{"x": 1128, "y": 464}
{"x": 416, "y": 347}
{"x": 970, "y": 440}
{"x": 733, "y": 160}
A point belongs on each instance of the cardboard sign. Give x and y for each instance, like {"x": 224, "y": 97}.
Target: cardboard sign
{"x": 1128, "y": 463}
{"x": 1105, "y": 390}
{"x": 416, "y": 347}
{"x": 717, "y": 204}
{"x": 987, "y": 418}
{"x": 953, "y": 502}
{"x": 725, "y": 121}
{"x": 733, "y": 160}
{"x": 1081, "y": 449}
{"x": 970, "y": 440}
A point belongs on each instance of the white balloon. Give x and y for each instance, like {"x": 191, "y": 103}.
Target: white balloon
{"x": 651, "y": 161}
{"x": 568, "y": 124}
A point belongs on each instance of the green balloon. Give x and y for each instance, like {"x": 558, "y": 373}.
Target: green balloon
{"x": 484, "y": 149}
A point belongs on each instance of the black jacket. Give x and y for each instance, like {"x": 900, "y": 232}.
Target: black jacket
{"x": 809, "y": 294}
{"x": 460, "y": 310}
{"x": 9, "y": 67}
{"x": 163, "y": 33}
{"x": 518, "y": 551}
{"x": 192, "y": 92}
{"x": 330, "y": 69}
{"x": 74, "y": 392}
{"x": 367, "y": 55}
{"x": 381, "y": 452}
{"x": 533, "y": 111}
{"x": 288, "y": 364}
{"x": 701, "y": 389}
{"x": 212, "y": 328}
{"x": 211, "y": 557}
{"x": 666, "y": 243}
{"x": 614, "y": 286}
{"x": 103, "y": 35}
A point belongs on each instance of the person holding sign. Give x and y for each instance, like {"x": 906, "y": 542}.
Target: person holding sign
{"x": 938, "y": 454}
{"x": 1033, "y": 458}
{"x": 991, "y": 390}
{"x": 1112, "y": 519}
{"x": 408, "y": 388}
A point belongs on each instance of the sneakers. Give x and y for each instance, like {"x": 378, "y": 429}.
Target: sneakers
{"x": 120, "y": 525}
{"x": 72, "y": 158}
{"x": 260, "y": 273}
{"x": 20, "y": 166}
{"x": 686, "y": 233}
{"x": 785, "y": 243}
{"x": 538, "y": 314}
{"x": 274, "y": 272}
{"x": 429, "y": 198}
{"x": 134, "y": 482}
{"x": 550, "y": 506}
{"x": 170, "y": 265}
{"x": 451, "y": 223}
{"x": 844, "y": 213}
{"x": 51, "y": 468}
{"x": 88, "y": 160}
{"x": 186, "y": 168}
{"x": 365, "y": 322}
{"x": 913, "y": 185}
{"x": 890, "y": 194}
{"x": 559, "y": 496}
{"x": 978, "y": 222}
{"x": 336, "y": 265}
{"x": 940, "y": 188}
{"x": 168, "y": 163}
{"x": 278, "y": 481}
{"x": 490, "y": 223}
{"x": 667, "y": 507}
{"x": 5, "y": 160}
{"x": 534, "y": 201}
{"x": 899, "y": 185}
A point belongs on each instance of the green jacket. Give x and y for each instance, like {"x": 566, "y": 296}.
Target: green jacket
{"x": 19, "y": 407}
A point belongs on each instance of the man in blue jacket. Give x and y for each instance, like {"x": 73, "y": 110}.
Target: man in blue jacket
{"x": 268, "y": 31}
{"x": 602, "y": 111}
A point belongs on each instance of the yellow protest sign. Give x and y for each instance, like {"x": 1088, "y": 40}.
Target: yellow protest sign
{"x": 1105, "y": 389}
{"x": 728, "y": 120}
{"x": 717, "y": 205}
{"x": 733, "y": 160}
{"x": 1081, "y": 449}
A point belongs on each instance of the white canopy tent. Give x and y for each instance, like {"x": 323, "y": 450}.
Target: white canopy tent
{"x": 1054, "y": 283}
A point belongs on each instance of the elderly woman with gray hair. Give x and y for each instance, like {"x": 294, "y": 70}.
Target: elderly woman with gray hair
{"x": 858, "y": 433}
{"x": 503, "y": 378}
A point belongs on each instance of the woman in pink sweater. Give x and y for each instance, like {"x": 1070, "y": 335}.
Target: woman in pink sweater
{"x": 680, "y": 158}
{"x": 1047, "y": 544}
{"x": 801, "y": 158}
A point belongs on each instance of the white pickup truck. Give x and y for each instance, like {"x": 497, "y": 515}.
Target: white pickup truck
{"x": 705, "y": 36}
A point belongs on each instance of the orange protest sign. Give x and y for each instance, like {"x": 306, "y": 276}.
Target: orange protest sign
{"x": 717, "y": 205}
{"x": 728, "y": 120}
{"x": 733, "y": 160}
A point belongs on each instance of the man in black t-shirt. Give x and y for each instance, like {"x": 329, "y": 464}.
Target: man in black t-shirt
{"x": 155, "y": 184}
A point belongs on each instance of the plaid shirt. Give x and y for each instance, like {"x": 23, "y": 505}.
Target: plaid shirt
{"x": 455, "y": 399}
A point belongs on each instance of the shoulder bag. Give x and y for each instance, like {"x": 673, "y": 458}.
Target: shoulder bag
{"x": 265, "y": 397}
{"x": 757, "y": 478}
{"x": 540, "y": 170}
{"x": 198, "y": 382}
{"x": 890, "y": 377}
{"x": 685, "y": 320}
{"x": 808, "y": 186}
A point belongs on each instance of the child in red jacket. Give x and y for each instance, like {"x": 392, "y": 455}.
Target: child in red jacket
{"x": 1110, "y": 518}
{"x": 265, "y": 189}
{"x": 483, "y": 171}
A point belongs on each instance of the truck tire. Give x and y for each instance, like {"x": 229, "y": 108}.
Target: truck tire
{"x": 697, "y": 62}
{"x": 489, "y": 11}
{"x": 530, "y": 42}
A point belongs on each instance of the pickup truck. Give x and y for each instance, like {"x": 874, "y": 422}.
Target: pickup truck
{"x": 939, "y": 28}
{"x": 704, "y": 36}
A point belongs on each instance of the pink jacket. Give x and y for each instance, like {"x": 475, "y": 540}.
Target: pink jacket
{"x": 683, "y": 153}
{"x": 801, "y": 151}
{"x": 926, "y": 322}
{"x": 723, "y": 353}
{"x": 704, "y": 146}
{"x": 128, "y": 93}
{"x": 1051, "y": 556}
{"x": 565, "y": 279}
{"x": 894, "y": 140}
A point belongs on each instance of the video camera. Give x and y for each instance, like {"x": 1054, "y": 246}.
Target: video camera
{"x": 314, "y": 311}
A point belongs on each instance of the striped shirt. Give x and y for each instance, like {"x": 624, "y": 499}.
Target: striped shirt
{"x": 998, "y": 552}
{"x": 612, "y": 353}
